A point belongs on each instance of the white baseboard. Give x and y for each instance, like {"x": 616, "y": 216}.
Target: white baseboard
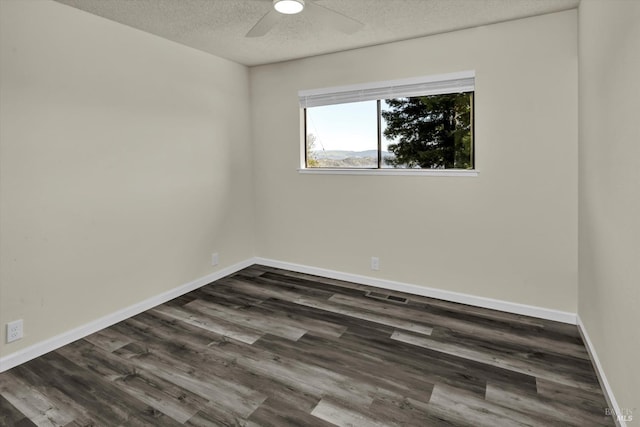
{"x": 65, "y": 338}
{"x": 608, "y": 392}
{"x": 494, "y": 304}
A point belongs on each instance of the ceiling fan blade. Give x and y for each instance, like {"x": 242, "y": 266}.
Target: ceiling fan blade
{"x": 334, "y": 18}
{"x": 266, "y": 23}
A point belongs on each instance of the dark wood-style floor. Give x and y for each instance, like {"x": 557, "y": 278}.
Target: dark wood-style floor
{"x": 267, "y": 347}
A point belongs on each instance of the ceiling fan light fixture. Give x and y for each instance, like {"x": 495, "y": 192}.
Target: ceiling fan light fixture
{"x": 288, "y": 7}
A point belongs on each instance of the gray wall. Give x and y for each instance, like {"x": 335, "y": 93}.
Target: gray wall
{"x": 123, "y": 167}
{"x": 509, "y": 234}
{"x": 609, "y": 290}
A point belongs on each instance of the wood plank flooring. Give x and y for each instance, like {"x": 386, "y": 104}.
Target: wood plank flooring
{"x": 268, "y": 347}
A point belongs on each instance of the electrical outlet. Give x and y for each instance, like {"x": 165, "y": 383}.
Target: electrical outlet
{"x": 14, "y": 330}
{"x": 375, "y": 263}
{"x": 215, "y": 259}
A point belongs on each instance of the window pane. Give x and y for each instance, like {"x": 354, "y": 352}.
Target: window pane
{"x": 343, "y": 136}
{"x": 429, "y": 132}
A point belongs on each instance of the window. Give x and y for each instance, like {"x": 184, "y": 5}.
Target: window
{"x": 414, "y": 124}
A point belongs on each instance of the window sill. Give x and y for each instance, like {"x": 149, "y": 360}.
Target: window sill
{"x": 403, "y": 172}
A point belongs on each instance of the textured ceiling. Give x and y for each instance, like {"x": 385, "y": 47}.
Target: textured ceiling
{"x": 219, "y": 26}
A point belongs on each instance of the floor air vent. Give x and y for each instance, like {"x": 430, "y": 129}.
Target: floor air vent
{"x": 386, "y": 297}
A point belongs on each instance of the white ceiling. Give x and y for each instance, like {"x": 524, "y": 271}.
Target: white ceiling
{"x": 219, "y": 26}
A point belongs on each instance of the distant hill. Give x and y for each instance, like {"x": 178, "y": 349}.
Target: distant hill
{"x": 342, "y": 154}
{"x": 343, "y": 158}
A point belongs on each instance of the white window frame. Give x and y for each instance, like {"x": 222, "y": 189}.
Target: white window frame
{"x": 463, "y": 81}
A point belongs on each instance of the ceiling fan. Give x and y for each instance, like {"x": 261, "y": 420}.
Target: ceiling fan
{"x": 323, "y": 14}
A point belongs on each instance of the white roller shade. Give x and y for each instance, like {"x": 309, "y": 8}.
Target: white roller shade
{"x": 420, "y": 86}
